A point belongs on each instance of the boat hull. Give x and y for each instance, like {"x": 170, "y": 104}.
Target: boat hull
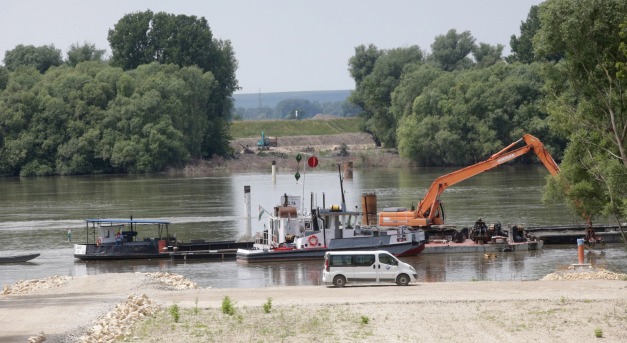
{"x": 18, "y": 258}
{"x": 220, "y": 250}
{"x": 305, "y": 254}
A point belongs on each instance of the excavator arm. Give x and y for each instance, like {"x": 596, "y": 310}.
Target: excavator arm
{"x": 429, "y": 211}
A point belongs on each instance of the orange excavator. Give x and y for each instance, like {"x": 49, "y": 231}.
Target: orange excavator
{"x": 430, "y": 211}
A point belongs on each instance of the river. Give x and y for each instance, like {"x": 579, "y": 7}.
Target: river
{"x": 35, "y": 214}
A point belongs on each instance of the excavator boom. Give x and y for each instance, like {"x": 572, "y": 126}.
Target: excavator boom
{"x": 429, "y": 211}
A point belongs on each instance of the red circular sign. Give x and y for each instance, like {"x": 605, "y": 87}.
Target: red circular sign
{"x": 312, "y": 161}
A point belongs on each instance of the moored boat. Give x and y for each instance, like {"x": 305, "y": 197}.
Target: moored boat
{"x": 290, "y": 236}
{"x": 116, "y": 239}
{"x": 18, "y": 258}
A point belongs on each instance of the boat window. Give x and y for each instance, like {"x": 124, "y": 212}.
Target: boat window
{"x": 387, "y": 259}
{"x": 363, "y": 260}
{"x": 106, "y": 233}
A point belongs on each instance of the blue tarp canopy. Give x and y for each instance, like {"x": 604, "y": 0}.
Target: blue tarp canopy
{"x": 127, "y": 221}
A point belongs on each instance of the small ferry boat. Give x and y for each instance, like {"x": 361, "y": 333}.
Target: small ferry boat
{"x": 290, "y": 236}
{"x": 116, "y": 239}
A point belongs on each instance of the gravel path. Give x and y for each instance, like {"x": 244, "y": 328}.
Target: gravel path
{"x": 99, "y": 308}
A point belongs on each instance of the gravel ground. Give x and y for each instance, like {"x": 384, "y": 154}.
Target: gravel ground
{"x": 138, "y": 307}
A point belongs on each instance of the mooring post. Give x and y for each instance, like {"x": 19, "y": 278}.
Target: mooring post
{"x": 581, "y": 264}
{"x": 580, "y": 250}
{"x": 274, "y": 172}
{"x": 247, "y": 202}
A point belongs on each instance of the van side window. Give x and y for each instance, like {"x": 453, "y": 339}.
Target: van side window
{"x": 341, "y": 260}
{"x": 387, "y": 259}
{"x": 363, "y": 260}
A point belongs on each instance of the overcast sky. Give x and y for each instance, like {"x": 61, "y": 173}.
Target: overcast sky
{"x": 287, "y": 45}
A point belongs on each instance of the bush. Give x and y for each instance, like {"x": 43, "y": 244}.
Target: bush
{"x": 174, "y": 312}
{"x": 267, "y": 306}
{"x": 228, "y": 306}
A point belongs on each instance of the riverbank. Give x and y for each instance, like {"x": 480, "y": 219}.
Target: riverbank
{"x": 331, "y": 150}
{"x": 143, "y": 307}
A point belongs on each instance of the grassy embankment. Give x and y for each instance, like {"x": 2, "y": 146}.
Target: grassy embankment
{"x": 285, "y": 128}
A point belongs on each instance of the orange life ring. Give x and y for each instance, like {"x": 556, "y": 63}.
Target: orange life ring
{"x": 313, "y": 241}
{"x": 98, "y": 241}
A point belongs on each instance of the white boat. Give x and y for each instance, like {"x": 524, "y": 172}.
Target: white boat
{"x": 289, "y": 235}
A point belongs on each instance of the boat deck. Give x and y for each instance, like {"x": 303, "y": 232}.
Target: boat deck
{"x": 468, "y": 246}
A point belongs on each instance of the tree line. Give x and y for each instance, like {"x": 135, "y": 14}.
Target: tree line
{"x": 163, "y": 99}
{"x": 564, "y": 83}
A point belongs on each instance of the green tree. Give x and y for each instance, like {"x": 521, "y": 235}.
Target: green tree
{"x": 362, "y": 63}
{"x": 4, "y": 78}
{"x": 144, "y": 37}
{"x": 42, "y": 57}
{"x": 522, "y": 47}
{"x": 487, "y": 55}
{"x": 451, "y": 51}
{"x": 587, "y": 100}
{"x": 82, "y": 53}
{"x": 130, "y": 41}
{"x": 462, "y": 117}
{"x": 374, "y": 92}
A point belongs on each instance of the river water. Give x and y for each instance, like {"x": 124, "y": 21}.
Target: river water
{"x": 35, "y": 214}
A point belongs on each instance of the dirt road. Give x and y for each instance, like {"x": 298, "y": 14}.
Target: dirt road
{"x": 514, "y": 311}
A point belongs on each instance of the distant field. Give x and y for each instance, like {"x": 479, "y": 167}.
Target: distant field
{"x": 282, "y": 128}
{"x": 253, "y": 100}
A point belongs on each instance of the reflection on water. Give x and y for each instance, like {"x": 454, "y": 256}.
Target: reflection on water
{"x": 532, "y": 265}
{"x": 36, "y": 212}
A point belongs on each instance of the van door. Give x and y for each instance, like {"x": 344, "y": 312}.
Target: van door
{"x": 387, "y": 267}
{"x": 364, "y": 267}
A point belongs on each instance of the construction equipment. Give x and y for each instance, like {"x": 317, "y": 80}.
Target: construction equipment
{"x": 430, "y": 210}
{"x": 266, "y": 142}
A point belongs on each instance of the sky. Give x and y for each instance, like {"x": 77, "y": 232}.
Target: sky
{"x": 280, "y": 45}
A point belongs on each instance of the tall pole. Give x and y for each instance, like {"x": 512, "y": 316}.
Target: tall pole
{"x": 339, "y": 169}
{"x": 247, "y": 202}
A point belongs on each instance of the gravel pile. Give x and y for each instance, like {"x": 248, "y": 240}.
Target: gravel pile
{"x": 116, "y": 324}
{"x": 170, "y": 281}
{"x": 585, "y": 274}
{"x": 31, "y": 286}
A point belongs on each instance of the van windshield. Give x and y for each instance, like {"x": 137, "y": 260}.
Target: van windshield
{"x": 387, "y": 259}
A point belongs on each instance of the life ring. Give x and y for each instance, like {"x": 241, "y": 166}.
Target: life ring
{"x": 98, "y": 241}
{"x": 313, "y": 241}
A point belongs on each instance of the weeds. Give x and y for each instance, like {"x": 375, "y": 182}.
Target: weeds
{"x": 174, "y": 312}
{"x": 364, "y": 320}
{"x": 228, "y": 306}
{"x": 267, "y": 306}
{"x": 598, "y": 333}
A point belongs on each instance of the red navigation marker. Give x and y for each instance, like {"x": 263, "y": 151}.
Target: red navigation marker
{"x": 312, "y": 161}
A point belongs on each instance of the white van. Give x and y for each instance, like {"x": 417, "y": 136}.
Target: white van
{"x": 366, "y": 266}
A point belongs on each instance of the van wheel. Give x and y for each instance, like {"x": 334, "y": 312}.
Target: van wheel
{"x": 402, "y": 280}
{"x": 339, "y": 281}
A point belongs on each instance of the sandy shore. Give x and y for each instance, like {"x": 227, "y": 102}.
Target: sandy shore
{"x": 140, "y": 307}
